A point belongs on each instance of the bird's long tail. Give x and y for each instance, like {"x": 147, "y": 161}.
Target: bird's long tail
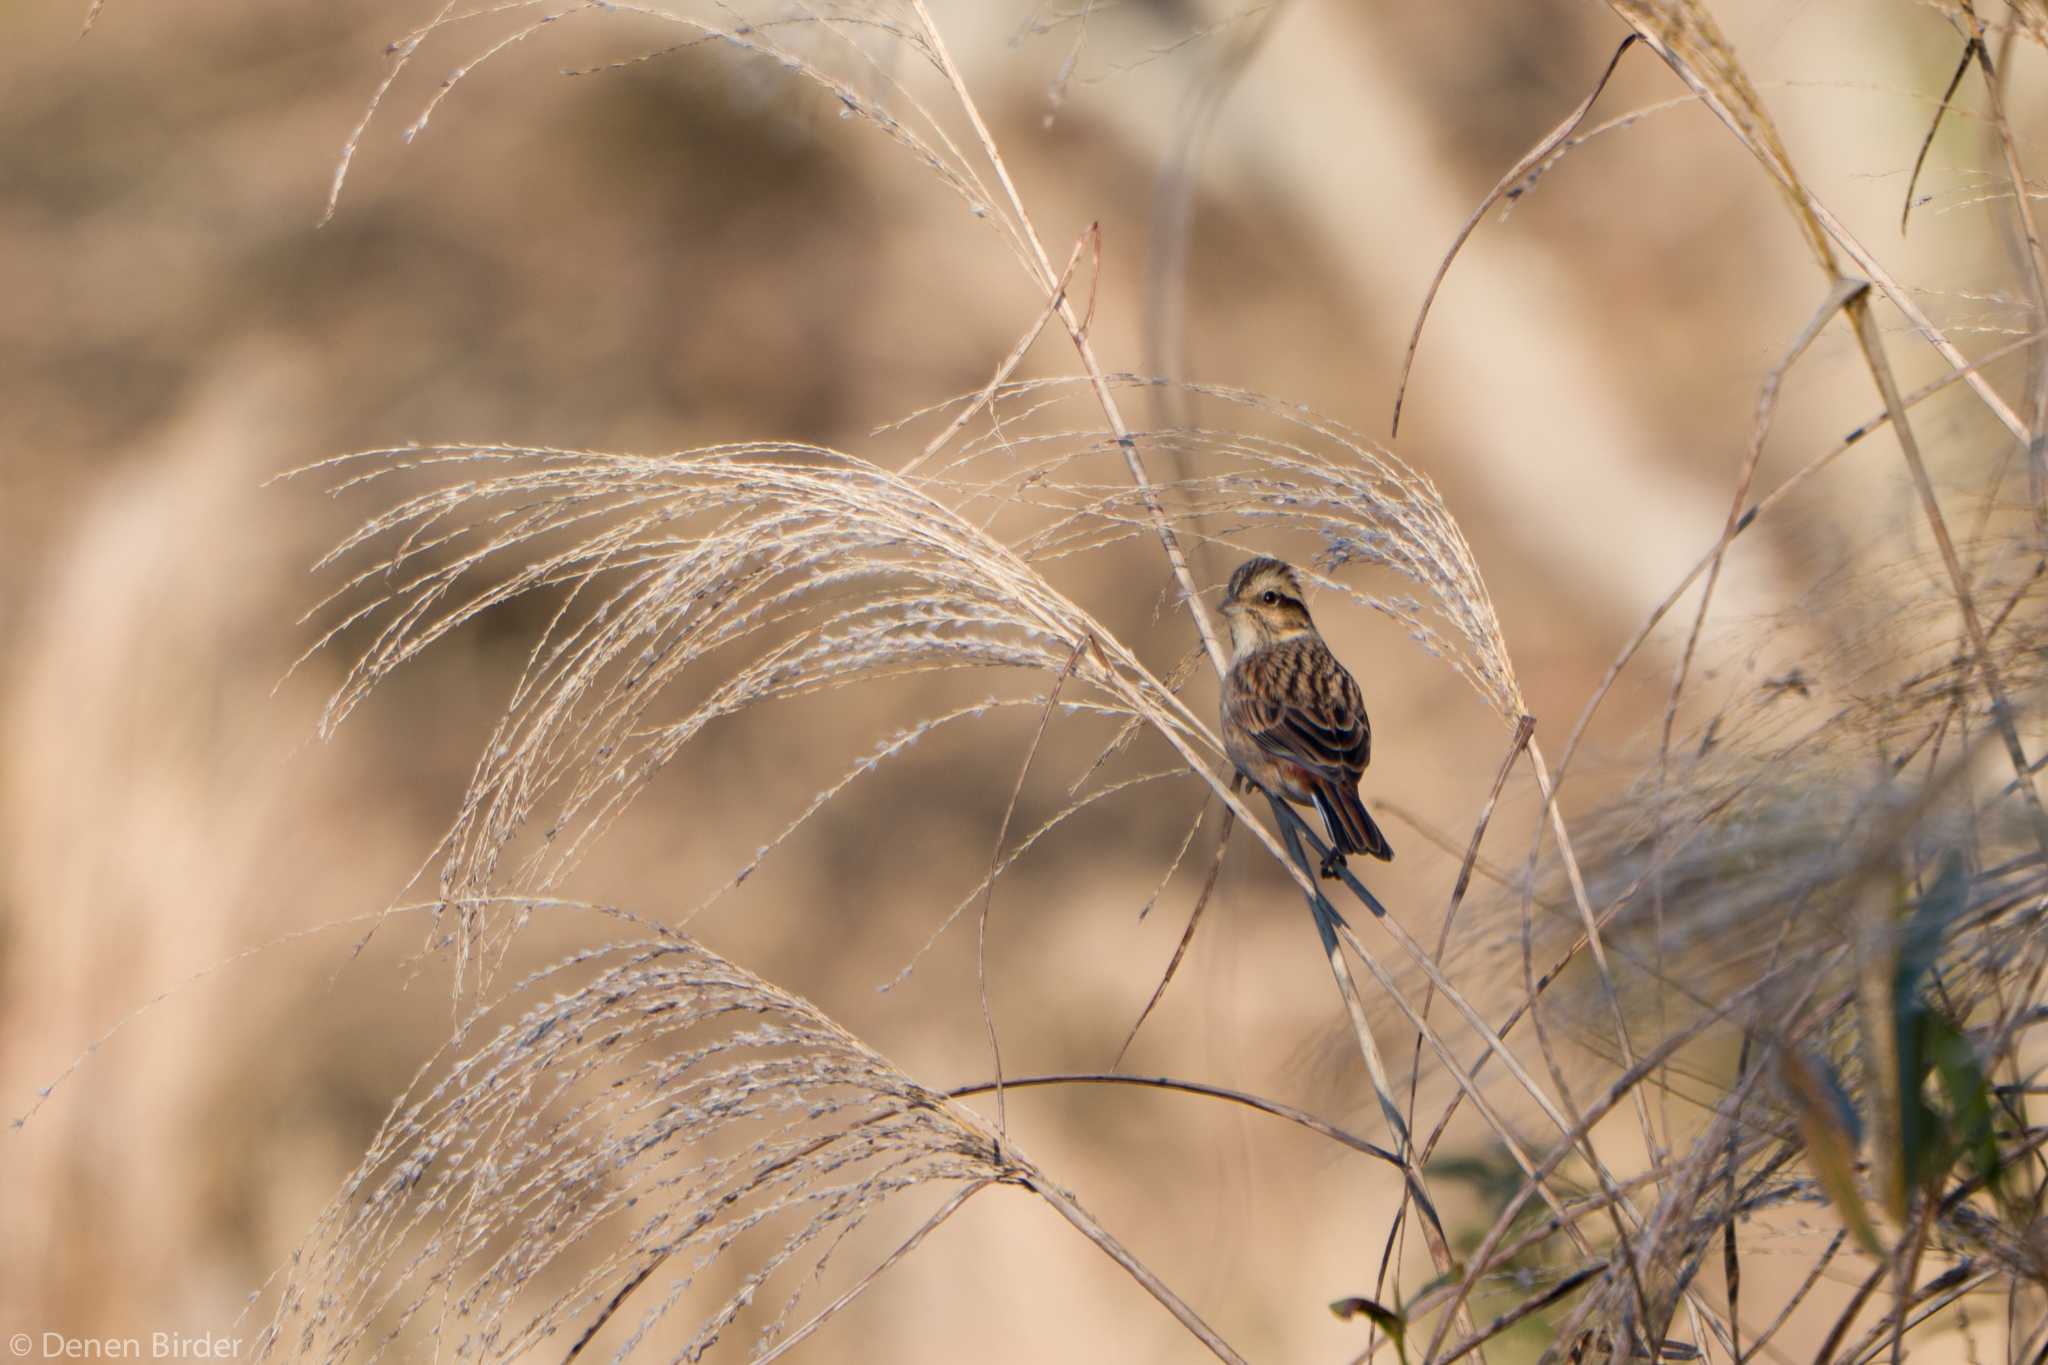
{"x": 1348, "y": 823}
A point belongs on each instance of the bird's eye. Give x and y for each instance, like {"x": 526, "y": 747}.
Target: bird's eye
{"x": 1271, "y": 597}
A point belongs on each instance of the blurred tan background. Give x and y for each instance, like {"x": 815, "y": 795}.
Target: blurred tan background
{"x": 695, "y": 249}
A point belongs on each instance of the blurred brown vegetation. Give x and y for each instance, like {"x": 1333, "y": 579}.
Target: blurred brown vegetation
{"x": 692, "y": 250}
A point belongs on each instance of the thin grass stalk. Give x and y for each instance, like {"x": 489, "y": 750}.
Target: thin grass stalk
{"x": 1049, "y": 281}
{"x": 1937, "y": 1294}
{"x": 1203, "y": 1089}
{"x": 988, "y": 1016}
{"x": 1187, "y": 936}
{"x": 1591, "y": 925}
{"x": 1010, "y": 362}
{"x": 1508, "y": 186}
{"x": 1534, "y": 1183}
{"x": 1536, "y": 1303}
{"x": 2031, "y": 256}
{"x": 1934, "y": 126}
{"x": 1872, "y": 343}
{"x": 1524, "y": 728}
{"x": 1298, "y": 829}
{"x": 1136, "y": 1269}
{"x": 1748, "y": 519}
{"x": 909, "y": 1244}
{"x": 1806, "y": 1285}
{"x": 1766, "y": 408}
{"x": 1673, "y": 25}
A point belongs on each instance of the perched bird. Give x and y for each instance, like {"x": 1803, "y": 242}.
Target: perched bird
{"x": 1293, "y": 721}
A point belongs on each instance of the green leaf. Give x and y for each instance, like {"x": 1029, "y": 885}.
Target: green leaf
{"x": 1923, "y": 1146}
{"x": 1385, "y": 1318}
{"x": 1920, "y": 937}
{"x": 1829, "y": 1127}
{"x": 1969, "y": 1097}
{"x": 1924, "y": 1150}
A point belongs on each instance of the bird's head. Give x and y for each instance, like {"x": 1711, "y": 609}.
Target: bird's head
{"x": 1263, "y": 605}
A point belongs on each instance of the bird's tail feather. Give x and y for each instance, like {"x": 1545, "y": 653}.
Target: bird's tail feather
{"x": 1350, "y": 825}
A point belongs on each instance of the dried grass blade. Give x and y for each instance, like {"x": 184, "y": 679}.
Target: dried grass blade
{"x": 1933, "y": 127}
{"x": 1335, "y": 935}
{"x": 873, "y": 759}
{"x": 1177, "y": 679}
{"x": 1017, "y": 353}
{"x": 1187, "y": 935}
{"x": 1051, "y": 823}
{"x": 1943, "y": 1290}
{"x": 1847, "y": 1318}
{"x": 1525, "y": 728}
{"x": 1577, "y": 881}
{"x": 1838, "y": 297}
{"x": 1535, "y": 1182}
{"x": 1296, "y": 830}
{"x": 1327, "y": 919}
{"x": 1180, "y": 855}
{"x": 1503, "y": 188}
{"x": 1812, "y": 1278}
{"x": 1684, "y": 34}
{"x": 988, "y": 1017}
{"x": 1576, "y": 1127}
{"x": 908, "y": 1245}
{"x": 1901, "y": 298}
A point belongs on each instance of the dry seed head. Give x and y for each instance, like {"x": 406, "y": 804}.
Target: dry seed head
{"x": 603, "y": 1152}
{"x": 1275, "y": 474}
{"x": 729, "y": 577}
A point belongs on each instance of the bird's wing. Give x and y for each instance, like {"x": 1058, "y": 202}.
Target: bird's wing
{"x": 1299, "y": 704}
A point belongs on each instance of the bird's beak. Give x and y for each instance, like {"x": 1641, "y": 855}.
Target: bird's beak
{"x": 1230, "y": 606}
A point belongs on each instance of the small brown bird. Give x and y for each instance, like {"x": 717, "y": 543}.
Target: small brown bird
{"x": 1293, "y": 721}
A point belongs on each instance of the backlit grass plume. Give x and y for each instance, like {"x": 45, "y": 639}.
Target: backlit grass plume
{"x": 658, "y": 1151}
{"x": 688, "y": 588}
{"x": 1268, "y": 476}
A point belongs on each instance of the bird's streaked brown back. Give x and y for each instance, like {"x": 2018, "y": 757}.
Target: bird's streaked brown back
{"x": 1300, "y": 704}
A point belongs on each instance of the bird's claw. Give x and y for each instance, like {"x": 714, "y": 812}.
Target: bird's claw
{"x": 1333, "y": 865}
